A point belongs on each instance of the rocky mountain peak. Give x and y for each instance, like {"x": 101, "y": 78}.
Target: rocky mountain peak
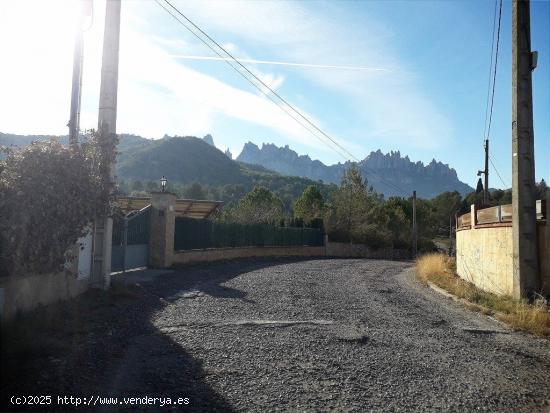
{"x": 209, "y": 139}
{"x": 379, "y": 168}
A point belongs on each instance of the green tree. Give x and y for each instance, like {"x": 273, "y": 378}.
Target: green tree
{"x": 398, "y": 212}
{"x": 541, "y": 190}
{"x": 479, "y": 186}
{"x": 310, "y": 205}
{"x": 137, "y": 186}
{"x": 258, "y": 206}
{"x": 195, "y": 191}
{"x": 445, "y": 205}
{"x": 355, "y": 214}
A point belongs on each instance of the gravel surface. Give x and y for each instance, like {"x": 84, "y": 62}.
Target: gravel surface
{"x": 315, "y": 335}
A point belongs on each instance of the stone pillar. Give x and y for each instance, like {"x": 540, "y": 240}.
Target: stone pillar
{"x": 163, "y": 222}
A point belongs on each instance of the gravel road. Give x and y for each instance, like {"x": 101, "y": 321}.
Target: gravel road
{"x": 315, "y": 335}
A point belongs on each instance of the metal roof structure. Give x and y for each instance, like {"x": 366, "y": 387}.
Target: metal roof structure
{"x": 190, "y": 208}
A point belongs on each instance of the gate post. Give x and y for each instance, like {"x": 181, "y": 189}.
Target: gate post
{"x": 163, "y": 222}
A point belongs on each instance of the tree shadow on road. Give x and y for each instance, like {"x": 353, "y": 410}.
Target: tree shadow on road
{"x": 104, "y": 344}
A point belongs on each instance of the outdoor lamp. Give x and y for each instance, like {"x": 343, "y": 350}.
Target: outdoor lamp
{"x": 163, "y": 181}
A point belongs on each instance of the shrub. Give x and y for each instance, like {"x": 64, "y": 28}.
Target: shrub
{"x": 48, "y": 195}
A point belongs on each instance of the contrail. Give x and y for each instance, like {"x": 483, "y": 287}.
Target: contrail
{"x": 271, "y": 62}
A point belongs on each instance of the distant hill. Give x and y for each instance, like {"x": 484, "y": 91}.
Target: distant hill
{"x": 182, "y": 159}
{"x": 187, "y": 160}
{"x": 385, "y": 172}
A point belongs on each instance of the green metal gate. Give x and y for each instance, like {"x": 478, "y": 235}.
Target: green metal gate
{"x": 130, "y": 247}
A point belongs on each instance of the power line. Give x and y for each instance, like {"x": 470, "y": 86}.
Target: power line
{"x": 495, "y": 71}
{"x": 498, "y": 173}
{"x": 240, "y": 72}
{"x": 258, "y": 80}
{"x": 490, "y": 71}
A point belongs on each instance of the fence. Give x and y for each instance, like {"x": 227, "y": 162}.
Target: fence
{"x": 191, "y": 234}
{"x": 495, "y": 215}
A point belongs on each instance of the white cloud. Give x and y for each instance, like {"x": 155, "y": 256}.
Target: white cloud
{"x": 390, "y": 103}
{"x": 158, "y": 94}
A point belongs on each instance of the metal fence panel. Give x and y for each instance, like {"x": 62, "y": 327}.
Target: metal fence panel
{"x": 201, "y": 233}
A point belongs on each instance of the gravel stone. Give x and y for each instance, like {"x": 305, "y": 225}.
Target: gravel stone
{"x": 346, "y": 335}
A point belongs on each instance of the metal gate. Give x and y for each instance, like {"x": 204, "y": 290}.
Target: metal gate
{"x": 131, "y": 240}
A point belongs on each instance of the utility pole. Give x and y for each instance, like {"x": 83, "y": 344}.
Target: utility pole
{"x": 485, "y": 173}
{"x": 78, "y": 59}
{"x": 103, "y": 228}
{"x": 524, "y": 230}
{"x": 414, "y": 234}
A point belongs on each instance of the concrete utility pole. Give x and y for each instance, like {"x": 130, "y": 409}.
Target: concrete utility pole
{"x": 414, "y": 240}
{"x": 78, "y": 59}
{"x": 524, "y": 229}
{"x": 103, "y": 228}
{"x": 486, "y": 175}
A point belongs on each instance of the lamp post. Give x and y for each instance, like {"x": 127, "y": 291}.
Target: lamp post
{"x": 163, "y": 181}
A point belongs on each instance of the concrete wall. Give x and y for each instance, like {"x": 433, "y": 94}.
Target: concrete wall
{"x": 484, "y": 258}
{"x": 218, "y": 254}
{"x": 543, "y": 230}
{"x": 332, "y": 249}
{"x": 20, "y": 294}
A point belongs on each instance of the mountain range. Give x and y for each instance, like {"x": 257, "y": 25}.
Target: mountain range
{"x": 190, "y": 159}
{"x": 390, "y": 174}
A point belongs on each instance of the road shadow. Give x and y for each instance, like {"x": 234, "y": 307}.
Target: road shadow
{"x": 104, "y": 344}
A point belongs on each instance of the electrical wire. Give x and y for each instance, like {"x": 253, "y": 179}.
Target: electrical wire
{"x": 498, "y": 173}
{"x": 494, "y": 72}
{"x": 259, "y": 82}
{"x": 490, "y": 71}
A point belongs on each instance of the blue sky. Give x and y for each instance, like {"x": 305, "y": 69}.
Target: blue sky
{"x": 421, "y": 87}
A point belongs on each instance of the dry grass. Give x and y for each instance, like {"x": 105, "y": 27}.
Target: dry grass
{"x": 520, "y": 315}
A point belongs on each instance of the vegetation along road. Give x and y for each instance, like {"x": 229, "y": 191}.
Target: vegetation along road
{"x": 317, "y": 335}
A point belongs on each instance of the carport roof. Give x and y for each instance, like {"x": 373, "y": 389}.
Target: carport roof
{"x": 191, "y": 208}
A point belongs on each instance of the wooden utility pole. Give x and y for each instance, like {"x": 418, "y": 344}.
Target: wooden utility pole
{"x": 414, "y": 229}
{"x": 524, "y": 230}
{"x": 103, "y": 228}
{"x": 78, "y": 59}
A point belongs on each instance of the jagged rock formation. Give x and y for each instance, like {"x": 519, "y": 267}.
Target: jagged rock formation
{"x": 228, "y": 153}
{"x": 197, "y": 160}
{"x": 385, "y": 172}
{"x": 209, "y": 140}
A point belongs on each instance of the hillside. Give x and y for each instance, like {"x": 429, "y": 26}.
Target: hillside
{"x": 181, "y": 159}
{"x": 385, "y": 172}
{"x": 186, "y": 160}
